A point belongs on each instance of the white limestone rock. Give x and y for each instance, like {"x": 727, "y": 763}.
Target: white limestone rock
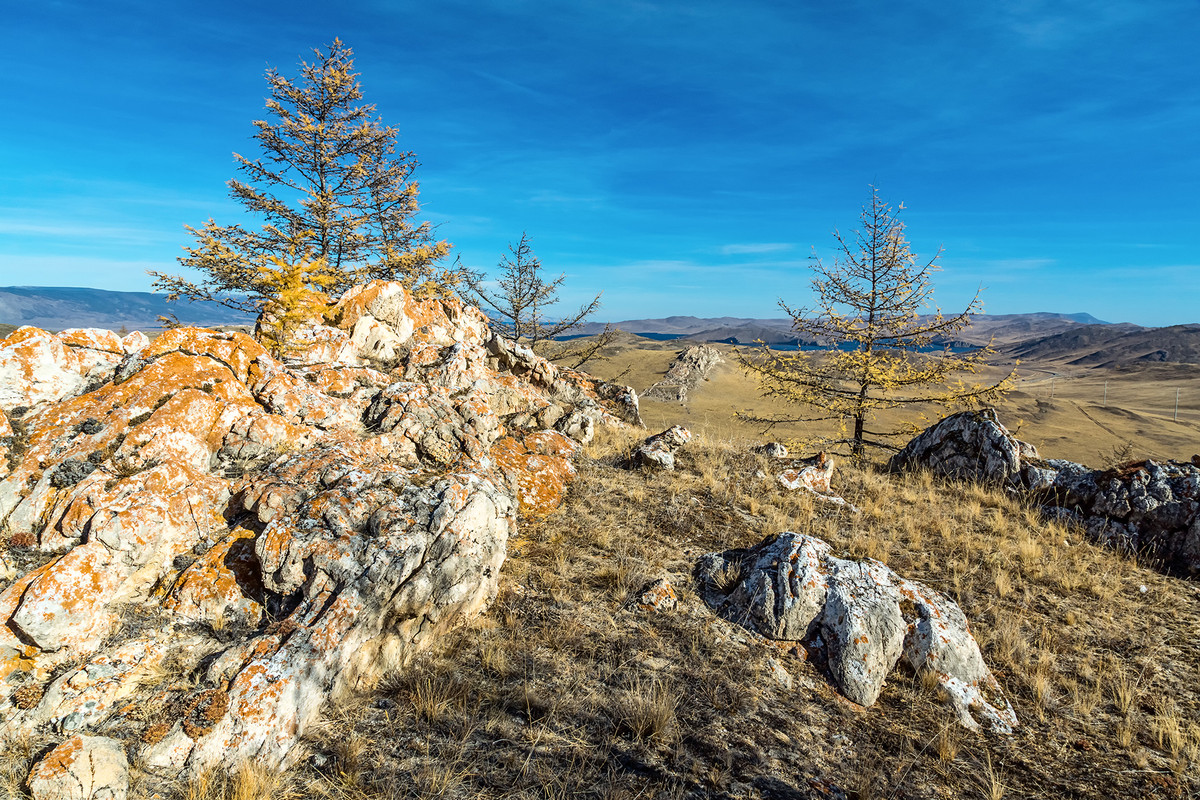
{"x": 658, "y": 451}
{"x": 860, "y": 615}
{"x": 970, "y": 445}
{"x": 690, "y": 367}
{"x": 82, "y": 768}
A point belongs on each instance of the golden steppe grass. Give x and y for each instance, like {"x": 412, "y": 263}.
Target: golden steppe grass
{"x": 1065, "y": 411}
{"x": 561, "y": 690}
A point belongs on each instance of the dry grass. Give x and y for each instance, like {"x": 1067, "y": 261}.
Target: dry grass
{"x": 948, "y": 742}
{"x": 559, "y": 691}
{"x": 990, "y": 785}
{"x": 18, "y": 753}
{"x": 247, "y": 782}
{"x": 1074, "y": 424}
{"x": 646, "y": 709}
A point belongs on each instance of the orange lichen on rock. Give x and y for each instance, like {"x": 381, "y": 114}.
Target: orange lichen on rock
{"x": 17, "y": 656}
{"x": 327, "y": 633}
{"x": 539, "y": 466}
{"x": 93, "y": 339}
{"x": 81, "y": 767}
{"x": 364, "y": 490}
{"x": 226, "y": 580}
{"x": 65, "y": 605}
{"x": 59, "y": 760}
{"x": 344, "y": 381}
{"x": 37, "y": 367}
{"x": 236, "y": 351}
{"x": 439, "y": 320}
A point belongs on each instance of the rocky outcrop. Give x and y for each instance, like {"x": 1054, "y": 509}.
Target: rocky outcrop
{"x": 686, "y": 372}
{"x": 771, "y": 450}
{"x": 278, "y": 533}
{"x": 813, "y": 475}
{"x": 1139, "y": 507}
{"x": 36, "y": 366}
{"x": 859, "y": 617}
{"x": 658, "y": 451}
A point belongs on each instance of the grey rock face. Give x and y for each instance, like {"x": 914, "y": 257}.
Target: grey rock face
{"x": 971, "y": 445}
{"x": 862, "y": 627}
{"x": 861, "y": 616}
{"x": 658, "y": 451}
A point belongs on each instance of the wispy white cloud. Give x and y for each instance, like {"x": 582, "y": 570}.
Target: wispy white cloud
{"x": 755, "y": 247}
{"x": 511, "y": 85}
{"x": 96, "y": 233}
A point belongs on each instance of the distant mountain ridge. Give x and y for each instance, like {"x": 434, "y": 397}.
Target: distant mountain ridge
{"x": 59, "y": 307}
{"x": 1002, "y": 328}
{"x": 1113, "y": 345}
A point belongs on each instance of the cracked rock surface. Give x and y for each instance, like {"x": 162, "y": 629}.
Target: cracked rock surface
{"x": 861, "y": 618}
{"x": 206, "y": 544}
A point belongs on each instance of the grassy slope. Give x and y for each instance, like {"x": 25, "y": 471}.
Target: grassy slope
{"x": 559, "y": 691}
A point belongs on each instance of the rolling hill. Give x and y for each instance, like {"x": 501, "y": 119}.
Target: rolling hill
{"x": 1000, "y": 328}
{"x": 1113, "y": 345}
{"x": 59, "y": 307}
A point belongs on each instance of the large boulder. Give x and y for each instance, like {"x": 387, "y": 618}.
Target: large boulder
{"x": 859, "y": 616}
{"x": 277, "y": 532}
{"x": 82, "y": 768}
{"x": 970, "y": 445}
{"x": 657, "y": 452}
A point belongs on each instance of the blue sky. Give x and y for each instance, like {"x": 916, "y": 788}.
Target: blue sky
{"x": 683, "y": 157}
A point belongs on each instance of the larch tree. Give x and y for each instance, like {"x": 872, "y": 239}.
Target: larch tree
{"x": 519, "y": 306}
{"x": 295, "y": 288}
{"x": 875, "y": 313}
{"x": 329, "y": 184}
